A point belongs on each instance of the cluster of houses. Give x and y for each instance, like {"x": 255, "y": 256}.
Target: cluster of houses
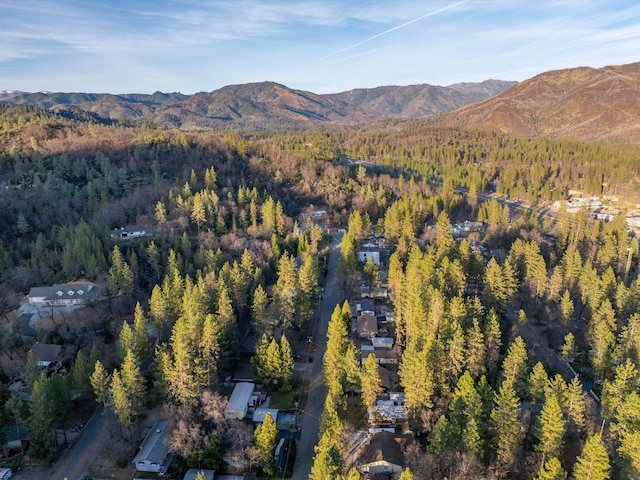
{"x": 378, "y": 452}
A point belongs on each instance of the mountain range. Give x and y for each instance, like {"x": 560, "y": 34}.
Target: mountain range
{"x": 267, "y": 105}
{"x": 579, "y": 103}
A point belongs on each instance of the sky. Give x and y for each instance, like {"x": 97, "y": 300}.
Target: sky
{"x": 325, "y": 46}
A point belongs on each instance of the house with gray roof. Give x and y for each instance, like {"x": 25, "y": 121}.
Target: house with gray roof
{"x": 154, "y": 454}
{"x": 64, "y": 294}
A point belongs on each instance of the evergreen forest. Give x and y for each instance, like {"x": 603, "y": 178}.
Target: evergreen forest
{"x": 517, "y": 347}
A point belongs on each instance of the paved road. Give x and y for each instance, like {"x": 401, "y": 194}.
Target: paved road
{"x": 76, "y": 461}
{"x": 310, "y": 422}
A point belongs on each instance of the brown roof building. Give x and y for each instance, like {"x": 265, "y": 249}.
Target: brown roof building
{"x": 383, "y": 454}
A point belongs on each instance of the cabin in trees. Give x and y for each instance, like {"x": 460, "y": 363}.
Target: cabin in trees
{"x": 154, "y": 454}
{"x": 129, "y": 233}
{"x": 47, "y": 356}
{"x": 64, "y": 295}
{"x": 382, "y": 453}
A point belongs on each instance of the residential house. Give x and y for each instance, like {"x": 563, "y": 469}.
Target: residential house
{"x": 239, "y": 401}
{"x": 387, "y": 413}
{"x": 383, "y": 356}
{"x": 365, "y": 253}
{"x": 64, "y": 295}
{"x": 47, "y": 356}
{"x": 260, "y": 413}
{"x": 366, "y": 306}
{"x": 129, "y": 233}
{"x": 154, "y": 454}
{"x": 367, "y": 326}
{"x": 17, "y": 439}
{"x": 383, "y": 454}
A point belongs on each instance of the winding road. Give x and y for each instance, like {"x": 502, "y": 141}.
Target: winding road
{"x": 317, "y": 391}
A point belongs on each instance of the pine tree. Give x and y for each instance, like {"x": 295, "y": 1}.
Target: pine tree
{"x": 80, "y": 374}
{"x": 121, "y": 401}
{"x": 265, "y": 440}
{"x": 43, "y": 436}
{"x": 228, "y": 339}
{"x": 406, "y": 475}
{"x": 285, "y": 290}
{"x": 476, "y": 350}
{"x": 308, "y": 284}
{"x": 415, "y": 374}
{"x": 551, "y": 428}
{"x": 492, "y": 335}
{"x": 552, "y": 470}
{"x": 575, "y": 406}
{"x": 353, "y": 474}
{"x": 569, "y": 348}
{"x": 593, "y": 462}
{"x": 456, "y": 353}
{"x": 538, "y": 380}
{"x": 209, "y": 347}
{"x": 259, "y": 360}
{"x": 285, "y": 367}
{"x": 507, "y": 429}
{"x": 260, "y": 312}
{"x": 198, "y": 211}
{"x": 566, "y": 308}
{"x": 120, "y": 275}
{"x": 370, "y": 381}
{"x": 101, "y": 381}
{"x": 334, "y": 355}
{"x": 127, "y": 391}
{"x": 158, "y": 310}
{"x": 603, "y": 325}
{"x": 495, "y": 291}
{"x": 514, "y": 367}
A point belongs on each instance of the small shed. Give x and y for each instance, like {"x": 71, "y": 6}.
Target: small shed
{"x": 192, "y": 473}
{"x": 154, "y": 454}
{"x": 239, "y": 401}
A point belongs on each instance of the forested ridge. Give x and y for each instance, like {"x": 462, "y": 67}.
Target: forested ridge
{"x": 231, "y": 259}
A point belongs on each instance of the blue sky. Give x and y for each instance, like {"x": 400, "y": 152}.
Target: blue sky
{"x": 140, "y": 46}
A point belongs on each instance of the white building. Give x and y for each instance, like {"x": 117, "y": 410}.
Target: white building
{"x": 239, "y": 401}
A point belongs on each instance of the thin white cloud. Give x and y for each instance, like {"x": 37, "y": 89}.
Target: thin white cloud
{"x": 397, "y": 27}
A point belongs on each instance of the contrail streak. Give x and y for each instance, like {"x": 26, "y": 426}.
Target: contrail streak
{"x": 398, "y": 27}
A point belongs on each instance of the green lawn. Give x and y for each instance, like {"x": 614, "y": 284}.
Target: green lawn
{"x": 283, "y": 400}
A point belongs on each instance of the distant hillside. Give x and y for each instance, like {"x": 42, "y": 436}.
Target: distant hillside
{"x": 579, "y": 103}
{"x": 268, "y": 105}
{"x": 6, "y": 94}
